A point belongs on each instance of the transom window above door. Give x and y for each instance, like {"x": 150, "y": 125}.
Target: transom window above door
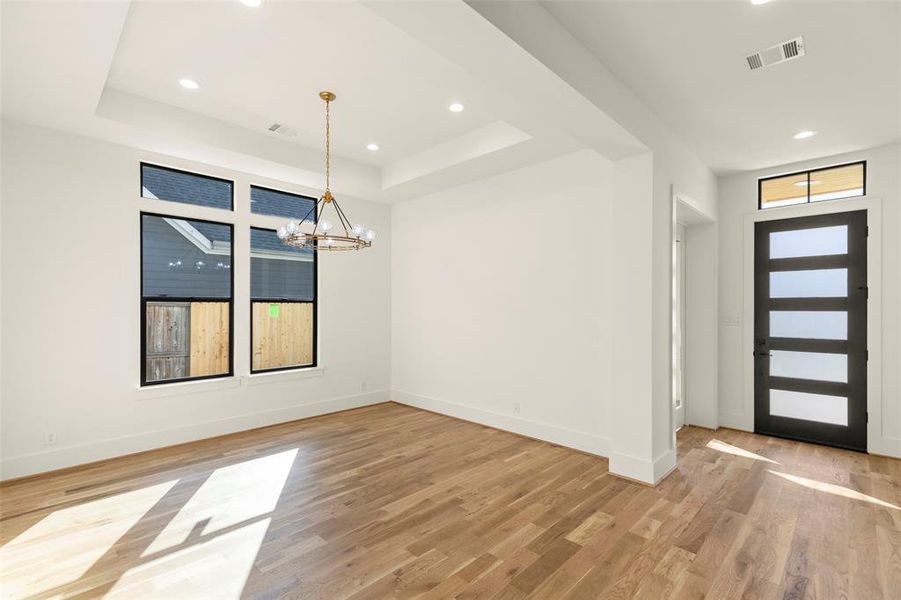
{"x": 816, "y": 185}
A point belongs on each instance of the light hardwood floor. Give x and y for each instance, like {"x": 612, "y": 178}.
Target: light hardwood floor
{"x": 393, "y": 502}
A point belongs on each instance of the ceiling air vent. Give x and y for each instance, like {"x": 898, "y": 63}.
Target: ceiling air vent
{"x": 776, "y": 54}
{"x": 282, "y": 130}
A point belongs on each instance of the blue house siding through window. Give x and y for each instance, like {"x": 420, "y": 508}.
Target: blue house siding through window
{"x": 164, "y": 247}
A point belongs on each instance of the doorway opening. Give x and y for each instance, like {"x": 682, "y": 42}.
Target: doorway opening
{"x": 694, "y": 310}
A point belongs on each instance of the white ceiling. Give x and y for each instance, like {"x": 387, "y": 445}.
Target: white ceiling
{"x": 685, "y": 61}
{"x": 259, "y": 66}
{"x": 113, "y": 67}
{"x": 112, "y": 72}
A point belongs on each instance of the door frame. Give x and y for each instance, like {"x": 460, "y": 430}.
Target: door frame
{"x": 873, "y": 206}
{"x": 679, "y": 235}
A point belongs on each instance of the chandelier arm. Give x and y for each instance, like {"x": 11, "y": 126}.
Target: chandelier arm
{"x": 345, "y": 222}
{"x": 318, "y": 213}
{"x": 315, "y": 206}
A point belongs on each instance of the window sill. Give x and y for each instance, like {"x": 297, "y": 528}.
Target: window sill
{"x": 179, "y": 388}
{"x": 280, "y": 376}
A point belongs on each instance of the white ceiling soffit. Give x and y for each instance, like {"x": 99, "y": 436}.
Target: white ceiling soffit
{"x": 687, "y": 62}
{"x": 395, "y": 67}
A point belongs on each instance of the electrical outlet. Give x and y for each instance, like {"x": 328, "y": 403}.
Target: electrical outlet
{"x": 49, "y": 438}
{"x": 516, "y": 408}
{"x": 363, "y": 386}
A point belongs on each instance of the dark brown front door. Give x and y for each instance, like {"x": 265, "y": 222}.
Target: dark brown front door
{"x": 810, "y": 329}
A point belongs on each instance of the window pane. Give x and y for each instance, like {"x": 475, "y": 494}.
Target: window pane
{"x": 819, "y": 241}
{"x": 813, "y": 186}
{"x": 815, "y": 283}
{"x": 840, "y": 182}
{"x": 187, "y": 285}
{"x": 183, "y": 258}
{"x": 282, "y": 289}
{"x": 809, "y": 365}
{"x": 810, "y": 407}
{"x": 281, "y": 204}
{"x": 818, "y": 325}
{"x": 189, "y": 188}
{"x": 282, "y": 335}
{"x": 186, "y": 339}
{"x": 278, "y": 271}
{"x": 783, "y": 191}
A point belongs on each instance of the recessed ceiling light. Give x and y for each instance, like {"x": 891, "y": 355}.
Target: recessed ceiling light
{"x": 188, "y": 84}
{"x": 803, "y": 135}
{"x": 251, "y": 3}
{"x": 455, "y": 107}
{"x": 372, "y": 147}
{"x": 759, "y": 1}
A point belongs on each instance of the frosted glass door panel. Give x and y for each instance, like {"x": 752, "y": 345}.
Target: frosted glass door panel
{"x": 819, "y": 241}
{"x": 809, "y": 365}
{"x": 809, "y": 407}
{"x": 814, "y": 324}
{"x": 816, "y": 283}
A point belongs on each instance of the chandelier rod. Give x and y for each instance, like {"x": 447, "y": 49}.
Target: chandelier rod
{"x": 328, "y": 144}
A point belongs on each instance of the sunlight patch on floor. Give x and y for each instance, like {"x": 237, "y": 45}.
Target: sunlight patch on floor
{"x": 735, "y": 450}
{"x": 62, "y": 546}
{"x": 229, "y": 496}
{"x": 215, "y": 567}
{"x": 837, "y": 490}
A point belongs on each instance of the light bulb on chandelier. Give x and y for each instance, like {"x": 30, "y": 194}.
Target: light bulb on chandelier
{"x": 326, "y": 235}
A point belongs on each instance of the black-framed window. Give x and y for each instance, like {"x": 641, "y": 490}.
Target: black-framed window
{"x": 187, "y": 283}
{"x": 265, "y": 201}
{"x": 282, "y": 304}
{"x": 815, "y": 185}
{"x": 174, "y": 185}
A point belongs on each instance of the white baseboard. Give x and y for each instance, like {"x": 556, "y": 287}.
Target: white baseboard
{"x": 664, "y": 465}
{"x": 70, "y": 456}
{"x": 883, "y": 445}
{"x": 641, "y": 469}
{"x": 735, "y": 420}
{"x": 632, "y": 467}
{"x": 554, "y": 434}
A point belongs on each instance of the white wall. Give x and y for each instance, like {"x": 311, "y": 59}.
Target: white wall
{"x": 673, "y": 164}
{"x": 701, "y": 333}
{"x": 738, "y": 198}
{"x": 71, "y": 312}
{"x": 501, "y": 295}
{"x": 631, "y": 288}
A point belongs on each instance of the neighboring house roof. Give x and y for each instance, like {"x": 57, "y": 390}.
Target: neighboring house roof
{"x": 214, "y": 238}
{"x": 212, "y": 231}
{"x": 169, "y": 184}
{"x": 266, "y": 240}
{"x": 281, "y": 204}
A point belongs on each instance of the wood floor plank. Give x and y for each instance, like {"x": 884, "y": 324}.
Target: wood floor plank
{"x": 389, "y": 501}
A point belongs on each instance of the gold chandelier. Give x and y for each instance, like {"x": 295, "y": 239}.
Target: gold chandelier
{"x": 325, "y": 235}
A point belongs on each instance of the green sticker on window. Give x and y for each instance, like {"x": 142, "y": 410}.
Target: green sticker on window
{"x": 273, "y": 310}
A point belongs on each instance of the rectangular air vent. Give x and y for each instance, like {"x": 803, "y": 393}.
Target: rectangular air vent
{"x": 776, "y": 54}
{"x": 282, "y": 130}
